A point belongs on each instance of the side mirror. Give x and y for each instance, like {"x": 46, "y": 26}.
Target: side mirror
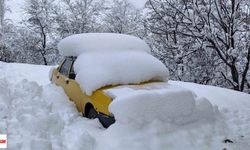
{"x": 72, "y": 75}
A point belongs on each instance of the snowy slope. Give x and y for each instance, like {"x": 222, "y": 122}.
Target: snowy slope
{"x": 16, "y": 72}
{"x": 38, "y": 115}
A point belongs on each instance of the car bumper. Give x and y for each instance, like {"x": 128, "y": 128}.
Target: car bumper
{"x": 106, "y": 120}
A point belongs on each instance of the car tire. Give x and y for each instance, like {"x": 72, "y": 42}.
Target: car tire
{"x": 92, "y": 114}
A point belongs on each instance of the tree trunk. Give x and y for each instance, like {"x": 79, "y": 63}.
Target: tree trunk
{"x": 2, "y": 13}
{"x": 44, "y": 58}
{"x": 235, "y": 77}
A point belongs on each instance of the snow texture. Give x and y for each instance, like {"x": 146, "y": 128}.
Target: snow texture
{"x": 96, "y": 70}
{"x": 170, "y": 104}
{"x": 38, "y": 115}
{"x": 100, "y": 42}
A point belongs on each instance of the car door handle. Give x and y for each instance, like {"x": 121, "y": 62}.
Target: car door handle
{"x": 67, "y": 81}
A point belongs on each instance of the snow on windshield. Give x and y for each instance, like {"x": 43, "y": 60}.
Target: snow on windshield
{"x": 100, "y": 42}
{"x": 96, "y": 70}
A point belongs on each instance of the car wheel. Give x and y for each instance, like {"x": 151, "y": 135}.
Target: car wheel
{"x": 92, "y": 114}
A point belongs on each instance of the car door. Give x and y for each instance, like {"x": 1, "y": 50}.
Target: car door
{"x": 74, "y": 90}
{"x": 62, "y": 76}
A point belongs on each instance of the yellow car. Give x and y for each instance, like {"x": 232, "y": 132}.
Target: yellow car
{"x": 94, "y": 106}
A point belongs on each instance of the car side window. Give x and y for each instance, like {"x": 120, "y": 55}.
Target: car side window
{"x": 65, "y": 68}
{"x": 72, "y": 68}
{"x": 72, "y": 74}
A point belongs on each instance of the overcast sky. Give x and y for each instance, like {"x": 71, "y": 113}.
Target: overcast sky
{"x": 138, "y": 3}
{"x": 16, "y": 8}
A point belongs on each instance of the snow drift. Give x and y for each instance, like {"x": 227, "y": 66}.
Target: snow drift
{"x": 169, "y": 103}
{"x": 41, "y": 117}
{"x": 100, "y": 42}
{"x": 96, "y": 70}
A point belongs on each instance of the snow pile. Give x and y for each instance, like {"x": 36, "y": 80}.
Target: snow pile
{"x": 16, "y": 72}
{"x": 111, "y": 59}
{"x": 170, "y": 104}
{"x": 235, "y": 107}
{"x": 96, "y": 70}
{"x": 100, "y": 42}
{"x": 41, "y": 117}
{"x": 4, "y": 103}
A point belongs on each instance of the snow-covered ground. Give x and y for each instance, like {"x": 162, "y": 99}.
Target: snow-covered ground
{"x": 38, "y": 115}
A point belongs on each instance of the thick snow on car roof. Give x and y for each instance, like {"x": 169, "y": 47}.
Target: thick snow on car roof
{"x": 111, "y": 59}
{"x": 76, "y": 44}
{"x": 96, "y": 70}
{"x": 168, "y": 103}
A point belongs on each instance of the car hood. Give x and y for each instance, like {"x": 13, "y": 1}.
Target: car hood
{"x": 122, "y": 90}
{"x": 158, "y": 100}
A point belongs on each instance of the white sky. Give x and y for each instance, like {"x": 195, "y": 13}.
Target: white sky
{"x": 15, "y": 13}
{"x": 138, "y": 3}
{"x": 16, "y": 8}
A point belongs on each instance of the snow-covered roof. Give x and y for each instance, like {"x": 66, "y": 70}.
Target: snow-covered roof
{"x": 74, "y": 45}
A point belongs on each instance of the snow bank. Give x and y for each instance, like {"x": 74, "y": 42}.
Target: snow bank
{"x": 39, "y": 117}
{"x": 42, "y": 117}
{"x": 235, "y": 107}
{"x": 218, "y": 96}
{"x": 16, "y": 72}
{"x": 100, "y": 42}
{"x": 96, "y": 70}
{"x": 170, "y": 104}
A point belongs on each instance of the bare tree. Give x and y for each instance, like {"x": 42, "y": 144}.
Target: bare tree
{"x": 4, "y": 53}
{"x": 2, "y": 13}
{"x": 123, "y": 17}
{"x": 79, "y": 16}
{"x": 40, "y": 22}
{"x": 217, "y": 27}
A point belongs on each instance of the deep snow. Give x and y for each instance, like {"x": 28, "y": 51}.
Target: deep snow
{"x": 38, "y": 115}
{"x": 111, "y": 59}
{"x": 96, "y": 70}
{"x": 161, "y": 101}
{"x": 77, "y": 44}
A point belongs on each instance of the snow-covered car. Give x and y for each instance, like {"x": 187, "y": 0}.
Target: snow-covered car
{"x": 93, "y": 106}
{"x": 95, "y": 63}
